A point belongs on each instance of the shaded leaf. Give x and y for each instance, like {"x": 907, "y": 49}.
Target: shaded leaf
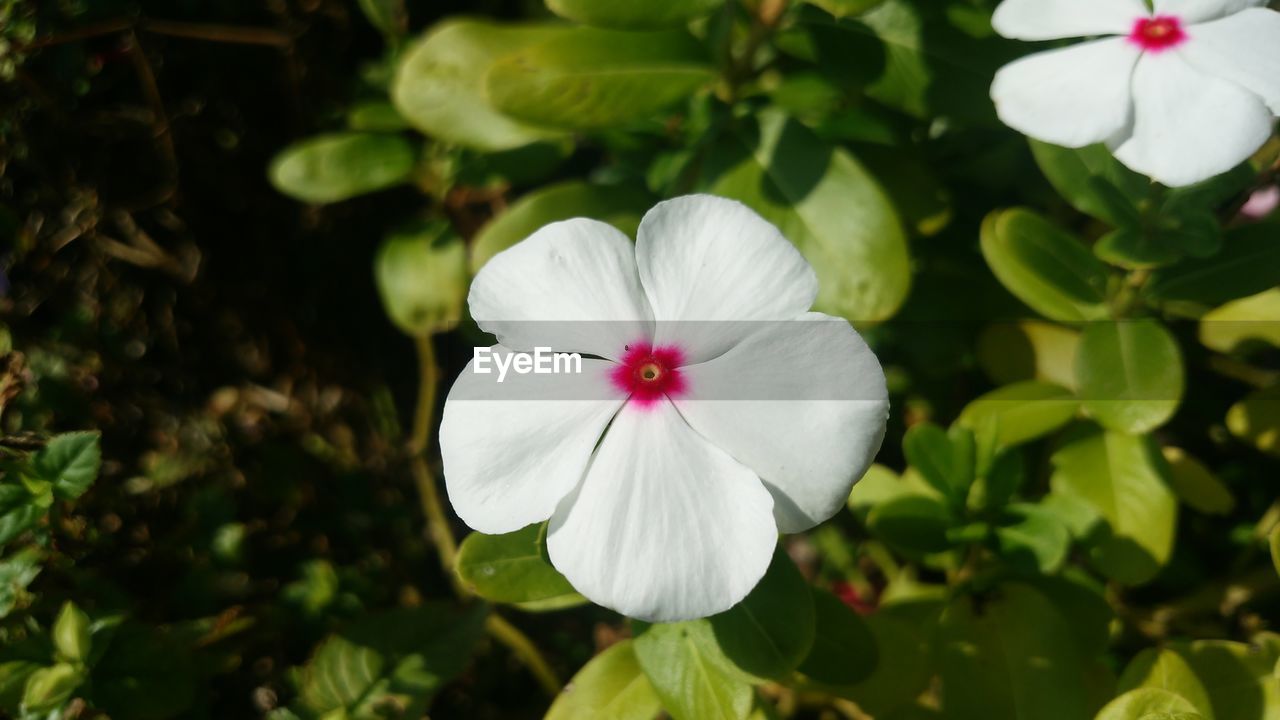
{"x": 1196, "y": 485}
{"x": 339, "y": 166}
{"x": 1248, "y": 264}
{"x": 771, "y": 630}
{"x": 844, "y": 649}
{"x": 1239, "y": 677}
{"x": 421, "y": 272}
{"x": 912, "y": 523}
{"x": 1255, "y": 420}
{"x": 1010, "y": 352}
{"x": 1032, "y": 538}
{"x": 1093, "y": 181}
{"x": 1044, "y": 266}
{"x": 1241, "y": 325}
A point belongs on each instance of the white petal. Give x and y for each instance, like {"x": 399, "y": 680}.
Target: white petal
{"x": 1053, "y": 19}
{"x": 1189, "y": 126}
{"x": 803, "y": 403}
{"x": 513, "y": 450}
{"x": 571, "y": 286}
{"x": 1193, "y": 11}
{"x": 1243, "y": 48}
{"x": 706, "y": 258}
{"x": 1072, "y": 96}
{"x": 666, "y": 526}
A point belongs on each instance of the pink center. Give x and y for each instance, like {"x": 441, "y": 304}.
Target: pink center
{"x": 647, "y": 373}
{"x": 1157, "y": 33}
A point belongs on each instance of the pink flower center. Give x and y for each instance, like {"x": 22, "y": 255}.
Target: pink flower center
{"x": 647, "y": 373}
{"x": 1158, "y": 33}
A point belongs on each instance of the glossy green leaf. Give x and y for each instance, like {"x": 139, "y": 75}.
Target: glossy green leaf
{"x": 1150, "y": 704}
{"x": 771, "y": 630}
{"x": 621, "y": 207}
{"x": 1093, "y": 181}
{"x": 512, "y": 568}
{"x": 1010, "y": 352}
{"x": 1251, "y": 323}
{"x": 825, "y": 202}
{"x": 339, "y": 166}
{"x": 844, "y": 650}
{"x": 70, "y": 462}
{"x": 609, "y": 687}
{"x": 1044, "y": 266}
{"x": 1020, "y": 412}
{"x": 1130, "y": 374}
{"x": 587, "y": 78}
{"x": 71, "y": 633}
{"x": 691, "y": 674}
{"x": 1196, "y": 485}
{"x": 1240, "y": 678}
{"x": 944, "y": 459}
{"x": 439, "y": 83}
{"x": 1248, "y": 264}
{"x": 421, "y": 272}
{"x": 633, "y": 16}
{"x": 1122, "y": 478}
{"x": 912, "y": 523}
{"x": 1166, "y": 670}
{"x": 1256, "y": 419}
{"x": 1009, "y": 657}
{"x": 1032, "y": 538}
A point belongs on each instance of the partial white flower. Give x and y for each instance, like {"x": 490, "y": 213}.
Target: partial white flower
{"x": 668, "y": 467}
{"x": 1180, "y": 94}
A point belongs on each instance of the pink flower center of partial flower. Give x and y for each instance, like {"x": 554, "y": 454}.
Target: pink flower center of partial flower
{"x": 1158, "y": 33}
{"x": 647, "y": 373}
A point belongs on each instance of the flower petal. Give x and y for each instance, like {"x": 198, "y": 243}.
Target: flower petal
{"x": 1189, "y": 126}
{"x": 1072, "y": 96}
{"x": 1054, "y": 19}
{"x": 666, "y": 526}
{"x": 571, "y": 286}
{"x": 513, "y": 449}
{"x": 1193, "y": 11}
{"x": 706, "y": 258}
{"x": 803, "y": 403}
{"x": 1243, "y": 48}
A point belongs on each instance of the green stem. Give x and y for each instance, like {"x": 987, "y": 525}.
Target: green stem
{"x": 524, "y": 650}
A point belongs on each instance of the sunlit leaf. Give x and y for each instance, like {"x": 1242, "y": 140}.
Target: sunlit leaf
{"x": 1032, "y": 538}
{"x": 70, "y": 462}
{"x": 1244, "y": 324}
{"x": 691, "y": 674}
{"x": 1240, "y": 678}
{"x": 1020, "y": 412}
{"x": 1150, "y": 704}
{"x": 1166, "y": 670}
{"x": 1129, "y": 374}
{"x": 1010, "y": 352}
{"x": 1044, "y": 266}
{"x": 421, "y": 271}
{"x": 1256, "y": 420}
{"x": 609, "y": 687}
{"x": 1196, "y": 485}
{"x": 513, "y": 568}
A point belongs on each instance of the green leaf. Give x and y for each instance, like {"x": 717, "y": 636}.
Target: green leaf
{"x": 586, "y": 78}
{"x": 997, "y": 484}
{"x": 1011, "y": 657}
{"x": 19, "y": 510}
{"x": 1044, "y": 266}
{"x": 944, "y": 459}
{"x": 912, "y": 523}
{"x": 512, "y": 568}
{"x": 1149, "y": 704}
{"x": 1130, "y": 374}
{"x": 1033, "y": 539}
{"x": 609, "y": 687}
{"x": 339, "y": 166}
{"x": 846, "y": 8}
{"x": 421, "y": 272}
{"x": 621, "y": 207}
{"x": 881, "y": 484}
{"x": 1082, "y": 601}
{"x": 51, "y": 687}
{"x": 1010, "y": 352}
{"x": 844, "y": 650}
{"x": 690, "y": 674}
{"x": 1093, "y": 181}
{"x": 1239, "y": 677}
{"x": 1243, "y": 325}
{"x": 439, "y": 83}
{"x": 388, "y": 16}
{"x": 377, "y": 116}
{"x": 13, "y": 680}
{"x": 1020, "y": 412}
{"x": 1166, "y": 670}
{"x": 16, "y": 573}
{"x": 1122, "y": 477}
{"x": 1255, "y": 420}
{"x": 1275, "y": 549}
{"x": 771, "y": 630}
{"x": 1196, "y": 485}
{"x": 71, "y": 633}
{"x": 649, "y": 15}
{"x": 904, "y": 664}
{"x": 825, "y": 202}
{"x": 1248, "y": 264}
{"x": 70, "y": 462}
{"x": 1136, "y": 248}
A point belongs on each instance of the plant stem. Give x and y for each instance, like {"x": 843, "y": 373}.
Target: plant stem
{"x": 524, "y": 650}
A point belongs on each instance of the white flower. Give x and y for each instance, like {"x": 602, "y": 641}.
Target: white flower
{"x": 1179, "y": 94}
{"x": 669, "y": 466}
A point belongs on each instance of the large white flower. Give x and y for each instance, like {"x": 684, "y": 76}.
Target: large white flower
{"x": 1179, "y": 94}
{"x": 713, "y": 410}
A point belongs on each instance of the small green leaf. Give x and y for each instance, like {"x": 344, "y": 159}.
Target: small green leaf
{"x": 844, "y": 650}
{"x": 70, "y": 462}
{"x": 378, "y": 116}
{"x": 16, "y": 573}
{"x": 944, "y": 459}
{"x": 439, "y": 83}
{"x": 1033, "y": 539}
{"x": 1166, "y": 670}
{"x": 771, "y": 630}
{"x": 512, "y": 568}
{"x": 609, "y": 687}
{"x": 51, "y": 687}
{"x": 19, "y": 510}
{"x": 1020, "y": 412}
{"x": 1243, "y": 325}
{"x": 912, "y": 523}
{"x": 1137, "y": 248}
{"x": 1122, "y": 477}
{"x": 1130, "y": 374}
{"x": 421, "y": 271}
{"x": 339, "y": 166}
{"x": 690, "y": 674}
{"x": 1044, "y": 266}
{"x": 1255, "y": 420}
{"x": 1150, "y": 704}
{"x": 1196, "y": 485}
{"x": 586, "y": 78}
{"x": 1248, "y": 264}
{"x": 71, "y": 633}
{"x": 649, "y": 15}
{"x": 1093, "y": 181}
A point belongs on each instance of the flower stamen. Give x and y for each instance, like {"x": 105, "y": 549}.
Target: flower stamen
{"x": 647, "y": 373}
{"x": 1158, "y": 33}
